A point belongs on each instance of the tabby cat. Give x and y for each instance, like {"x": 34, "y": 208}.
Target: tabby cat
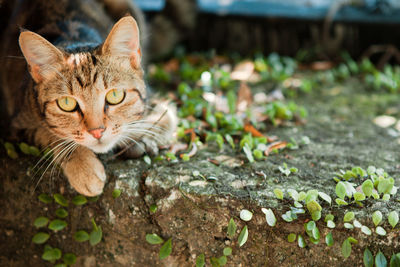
{"x": 87, "y": 99}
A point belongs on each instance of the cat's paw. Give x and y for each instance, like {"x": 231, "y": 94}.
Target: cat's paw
{"x": 144, "y": 146}
{"x": 85, "y": 174}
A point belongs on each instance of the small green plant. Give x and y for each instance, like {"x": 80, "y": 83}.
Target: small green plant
{"x": 242, "y": 239}
{"x": 55, "y": 225}
{"x": 286, "y": 170}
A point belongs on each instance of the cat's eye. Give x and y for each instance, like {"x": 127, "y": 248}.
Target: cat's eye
{"x": 115, "y": 96}
{"x": 67, "y": 103}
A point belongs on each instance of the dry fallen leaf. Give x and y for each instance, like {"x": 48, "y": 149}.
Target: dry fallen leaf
{"x": 254, "y": 132}
{"x": 275, "y": 145}
{"x": 243, "y": 70}
{"x": 245, "y": 97}
{"x": 172, "y": 65}
{"x": 178, "y": 147}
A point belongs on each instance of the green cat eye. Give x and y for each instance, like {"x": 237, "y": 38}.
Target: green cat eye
{"x": 67, "y": 103}
{"x": 115, "y": 96}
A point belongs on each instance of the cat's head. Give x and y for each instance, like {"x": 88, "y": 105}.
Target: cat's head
{"x": 91, "y": 98}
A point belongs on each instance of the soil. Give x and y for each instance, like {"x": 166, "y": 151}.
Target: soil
{"x": 195, "y": 212}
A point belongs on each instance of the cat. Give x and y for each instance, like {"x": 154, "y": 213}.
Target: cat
{"x": 86, "y": 98}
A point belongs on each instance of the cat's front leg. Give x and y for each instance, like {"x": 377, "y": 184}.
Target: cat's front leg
{"x": 85, "y": 172}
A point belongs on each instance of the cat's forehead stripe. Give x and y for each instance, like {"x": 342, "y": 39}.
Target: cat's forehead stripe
{"x": 76, "y": 60}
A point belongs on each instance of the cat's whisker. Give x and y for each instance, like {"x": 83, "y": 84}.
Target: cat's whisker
{"x": 53, "y": 160}
{"x": 66, "y": 157}
{"x": 134, "y": 141}
{"x": 50, "y": 151}
{"x": 152, "y": 135}
{"x": 60, "y": 147}
{"x": 145, "y": 125}
{"x": 47, "y": 157}
{"x": 61, "y": 158}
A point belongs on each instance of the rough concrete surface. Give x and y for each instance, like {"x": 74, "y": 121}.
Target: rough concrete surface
{"x": 195, "y": 212}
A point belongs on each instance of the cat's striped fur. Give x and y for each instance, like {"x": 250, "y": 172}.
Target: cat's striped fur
{"x": 87, "y": 75}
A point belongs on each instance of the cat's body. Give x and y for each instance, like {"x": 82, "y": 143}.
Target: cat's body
{"x": 87, "y": 97}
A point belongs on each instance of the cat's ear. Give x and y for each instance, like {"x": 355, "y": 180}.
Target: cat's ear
{"x": 123, "y": 41}
{"x": 43, "y": 58}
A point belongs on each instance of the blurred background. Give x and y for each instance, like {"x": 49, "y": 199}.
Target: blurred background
{"x": 308, "y": 30}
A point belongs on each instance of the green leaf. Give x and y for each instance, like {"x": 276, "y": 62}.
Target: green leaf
{"x": 311, "y": 195}
{"x": 45, "y": 198}
{"x": 61, "y": 213}
{"x": 24, "y": 148}
{"x": 380, "y": 231}
{"x": 153, "y": 208}
{"x": 278, "y": 193}
{"x": 69, "y": 258}
{"x": 40, "y": 238}
{"x": 230, "y": 141}
{"x": 231, "y": 228}
{"x": 81, "y": 236}
{"x": 377, "y": 217}
{"x": 341, "y": 190}
{"x": 243, "y": 236}
{"x": 60, "y": 199}
{"x": 201, "y": 260}
{"x": 366, "y": 230}
{"x": 348, "y": 217}
{"x": 315, "y": 233}
{"x": 346, "y": 248}
{"x": 293, "y": 194}
{"x": 357, "y": 224}
{"x": 95, "y": 236}
{"x": 269, "y": 216}
{"x": 79, "y": 200}
{"x": 380, "y": 260}
{"x": 301, "y": 242}
{"x": 329, "y": 239}
{"x": 154, "y": 239}
{"x": 310, "y": 225}
{"x": 52, "y": 254}
{"x": 358, "y": 196}
{"x": 325, "y": 197}
{"x": 368, "y": 258}
{"x": 393, "y": 218}
{"x": 246, "y": 215}
{"x": 395, "y": 261}
{"x": 57, "y": 225}
{"x": 166, "y": 249}
{"x": 34, "y": 151}
{"x": 348, "y": 226}
{"x": 227, "y": 251}
{"x": 353, "y": 240}
{"x": 215, "y": 262}
{"x": 313, "y": 206}
{"x": 330, "y": 224}
{"x": 302, "y": 196}
{"x": 147, "y": 160}
{"x": 61, "y": 265}
{"x": 385, "y": 185}
{"x": 249, "y": 155}
{"x": 116, "y": 193}
{"x": 385, "y": 197}
{"x": 329, "y": 217}
{"x": 340, "y": 202}
{"x": 222, "y": 260}
{"x": 40, "y": 222}
{"x": 291, "y": 237}
{"x": 316, "y": 215}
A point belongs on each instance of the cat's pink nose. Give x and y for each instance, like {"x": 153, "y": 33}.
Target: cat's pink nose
{"x": 97, "y": 133}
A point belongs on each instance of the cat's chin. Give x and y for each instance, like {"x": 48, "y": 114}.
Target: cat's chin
{"x": 102, "y": 148}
